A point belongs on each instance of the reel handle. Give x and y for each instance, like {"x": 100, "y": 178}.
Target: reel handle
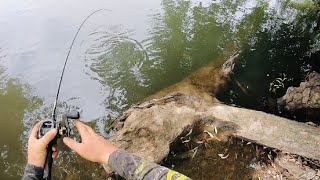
{"x": 73, "y": 115}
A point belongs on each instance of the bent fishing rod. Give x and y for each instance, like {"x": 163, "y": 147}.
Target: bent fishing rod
{"x": 63, "y": 125}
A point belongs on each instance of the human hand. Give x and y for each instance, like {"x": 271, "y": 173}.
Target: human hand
{"x": 37, "y": 148}
{"x": 92, "y": 147}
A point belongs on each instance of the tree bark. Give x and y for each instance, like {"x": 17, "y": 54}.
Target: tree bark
{"x": 149, "y": 128}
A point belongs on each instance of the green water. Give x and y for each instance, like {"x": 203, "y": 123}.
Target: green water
{"x": 133, "y": 50}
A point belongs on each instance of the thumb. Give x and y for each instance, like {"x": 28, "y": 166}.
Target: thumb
{"x": 49, "y": 136}
{"x": 72, "y": 144}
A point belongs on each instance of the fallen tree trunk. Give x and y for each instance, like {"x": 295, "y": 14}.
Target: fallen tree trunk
{"x": 148, "y": 129}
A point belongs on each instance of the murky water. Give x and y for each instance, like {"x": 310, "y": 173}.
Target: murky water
{"x": 133, "y": 50}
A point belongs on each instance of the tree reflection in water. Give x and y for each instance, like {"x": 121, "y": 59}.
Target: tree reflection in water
{"x": 274, "y": 39}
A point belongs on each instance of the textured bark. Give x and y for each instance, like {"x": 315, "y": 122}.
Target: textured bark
{"x": 148, "y": 129}
{"x": 306, "y": 96}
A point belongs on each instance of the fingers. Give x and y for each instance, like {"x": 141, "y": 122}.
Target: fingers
{"x": 89, "y": 129}
{"x": 81, "y": 128}
{"x": 72, "y": 144}
{"x": 49, "y": 136}
{"x": 35, "y": 129}
{"x": 54, "y": 148}
{"x": 55, "y": 154}
{"x": 55, "y": 151}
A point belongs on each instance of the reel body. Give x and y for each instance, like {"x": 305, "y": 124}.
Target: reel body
{"x": 62, "y": 125}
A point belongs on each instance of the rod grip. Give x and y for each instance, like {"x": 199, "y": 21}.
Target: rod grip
{"x": 49, "y": 161}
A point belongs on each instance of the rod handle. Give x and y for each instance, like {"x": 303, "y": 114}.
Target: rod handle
{"x": 49, "y": 161}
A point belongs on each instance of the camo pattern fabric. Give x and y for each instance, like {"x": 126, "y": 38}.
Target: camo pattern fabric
{"x": 32, "y": 173}
{"x": 132, "y": 167}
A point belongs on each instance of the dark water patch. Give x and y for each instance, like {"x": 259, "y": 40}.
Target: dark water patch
{"x": 277, "y": 57}
{"x": 314, "y": 61}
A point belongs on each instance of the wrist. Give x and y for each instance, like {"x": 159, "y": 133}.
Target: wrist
{"x": 106, "y": 156}
{"x": 30, "y": 167}
{"x": 37, "y": 159}
{"x": 35, "y": 162}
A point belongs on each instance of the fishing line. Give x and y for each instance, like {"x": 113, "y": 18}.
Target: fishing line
{"x": 65, "y": 63}
{"x": 62, "y": 126}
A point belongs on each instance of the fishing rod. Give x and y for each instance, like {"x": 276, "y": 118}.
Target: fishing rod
{"x": 63, "y": 126}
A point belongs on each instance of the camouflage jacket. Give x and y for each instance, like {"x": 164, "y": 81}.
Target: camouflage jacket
{"x": 128, "y": 166}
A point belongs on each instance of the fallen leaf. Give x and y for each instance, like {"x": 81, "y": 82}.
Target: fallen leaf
{"x": 209, "y": 133}
{"x": 222, "y": 156}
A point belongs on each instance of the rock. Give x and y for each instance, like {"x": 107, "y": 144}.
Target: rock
{"x": 306, "y": 96}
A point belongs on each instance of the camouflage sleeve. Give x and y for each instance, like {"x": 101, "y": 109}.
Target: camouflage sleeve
{"x": 132, "y": 167}
{"x": 32, "y": 173}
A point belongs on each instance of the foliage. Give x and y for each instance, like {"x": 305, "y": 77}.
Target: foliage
{"x": 308, "y": 6}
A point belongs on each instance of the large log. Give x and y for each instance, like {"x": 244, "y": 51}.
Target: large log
{"x": 148, "y": 129}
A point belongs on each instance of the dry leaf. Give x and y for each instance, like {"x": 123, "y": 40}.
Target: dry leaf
{"x": 222, "y": 156}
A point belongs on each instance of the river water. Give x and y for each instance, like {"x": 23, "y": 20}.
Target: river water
{"x": 132, "y": 50}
